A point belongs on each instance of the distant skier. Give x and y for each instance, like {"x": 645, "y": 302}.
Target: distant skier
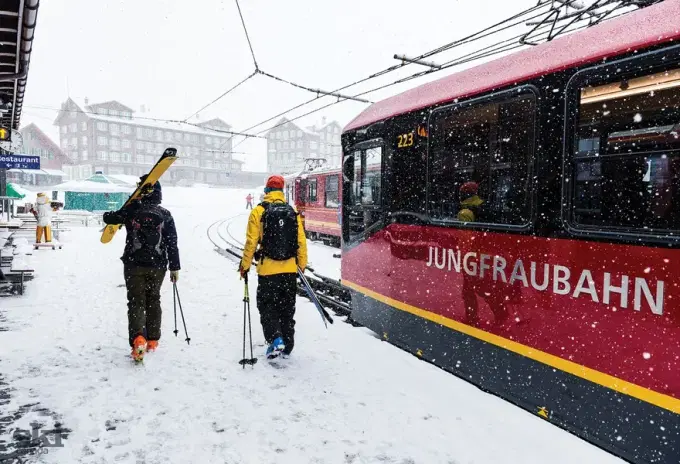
{"x": 43, "y": 216}
{"x": 277, "y": 228}
{"x": 150, "y": 248}
{"x": 249, "y": 201}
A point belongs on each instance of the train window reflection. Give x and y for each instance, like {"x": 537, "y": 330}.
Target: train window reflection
{"x": 626, "y": 157}
{"x": 479, "y": 162}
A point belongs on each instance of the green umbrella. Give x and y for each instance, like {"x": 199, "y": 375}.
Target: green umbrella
{"x": 12, "y": 192}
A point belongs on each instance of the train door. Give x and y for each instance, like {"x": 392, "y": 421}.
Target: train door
{"x": 362, "y": 191}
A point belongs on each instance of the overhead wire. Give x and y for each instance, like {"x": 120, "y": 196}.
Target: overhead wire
{"x": 468, "y": 39}
{"x": 245, "y": 29}
{"x": 254, "y": 73}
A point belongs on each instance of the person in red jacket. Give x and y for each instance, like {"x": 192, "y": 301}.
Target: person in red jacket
{"x": 249, "y": 201}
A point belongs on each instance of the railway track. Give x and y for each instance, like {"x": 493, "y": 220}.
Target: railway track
{"x": 330, "y": 292}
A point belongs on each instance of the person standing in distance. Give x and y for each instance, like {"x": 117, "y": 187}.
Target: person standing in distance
{"x": 150, "y": 248}
{"x": 277, "y": 229}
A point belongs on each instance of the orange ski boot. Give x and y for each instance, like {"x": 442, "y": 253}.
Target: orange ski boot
{"x": 138, "y": 348}
{"x": 151, "y": 345}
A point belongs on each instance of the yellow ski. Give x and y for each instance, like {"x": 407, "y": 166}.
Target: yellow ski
{"x": 169, "y": 156}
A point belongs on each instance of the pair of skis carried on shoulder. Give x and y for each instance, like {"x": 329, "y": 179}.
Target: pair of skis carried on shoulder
{"x": 168, "y": 157}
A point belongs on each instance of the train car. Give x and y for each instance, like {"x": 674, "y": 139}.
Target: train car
{"x": 518, "y": 224}
{"x": 318, "y": 199}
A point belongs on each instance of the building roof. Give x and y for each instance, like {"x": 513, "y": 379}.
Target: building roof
{"x": 284, "y": 120}
{"x": 46, "y": 140}
{"x": 75, "y": 105}
{"x": 649, "y": 26}
{"x": 18, "y": 19}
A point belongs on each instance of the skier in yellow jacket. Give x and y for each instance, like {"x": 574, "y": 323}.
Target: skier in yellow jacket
{"x": 278, "y": 230}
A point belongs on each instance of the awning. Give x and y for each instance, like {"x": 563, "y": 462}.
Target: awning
{"x": 40, "y": 172}
{"x": 54, "y": 172}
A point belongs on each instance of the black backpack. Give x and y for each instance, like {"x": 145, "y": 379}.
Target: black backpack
{"x": 279, "y": 231}
{"x": 147, "y": 236}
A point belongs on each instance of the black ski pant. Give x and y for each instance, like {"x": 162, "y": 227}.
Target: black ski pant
{"x": 276, "y": 303}
{"x": 144, "y": 301}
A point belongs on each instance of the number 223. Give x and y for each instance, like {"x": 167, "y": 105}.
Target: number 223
{"x": 405, "y": 140}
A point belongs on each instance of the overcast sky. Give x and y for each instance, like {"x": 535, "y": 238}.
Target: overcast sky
{"x": 174, "y": 56}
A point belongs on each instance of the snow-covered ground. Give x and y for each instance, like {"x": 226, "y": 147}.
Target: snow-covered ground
{"x": 344, "y": 397}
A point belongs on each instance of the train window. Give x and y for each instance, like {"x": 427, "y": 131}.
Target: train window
{"x": 363, "y": 171}
{"x": 479, "y": 161}
{"x": 311, "y": 189}
{"x": 626, "y": 153}
{"x": 370, "y": 179}
{"x": 332, "y": 195}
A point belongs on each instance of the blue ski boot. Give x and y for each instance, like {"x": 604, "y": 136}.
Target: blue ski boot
{"x": 275, "y": 348}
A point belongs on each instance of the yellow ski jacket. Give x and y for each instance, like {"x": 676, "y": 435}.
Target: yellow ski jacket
{"x": 254, "y": 234}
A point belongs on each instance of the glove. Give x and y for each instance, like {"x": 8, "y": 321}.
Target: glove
{"x": 174, "y": 276}
{"x": 243, "y": 272}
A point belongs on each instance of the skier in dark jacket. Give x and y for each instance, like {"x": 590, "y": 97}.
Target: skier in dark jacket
{"x": 150, "y": 249}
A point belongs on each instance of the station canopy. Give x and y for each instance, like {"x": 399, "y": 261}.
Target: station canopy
{"x": 17, "y": 27}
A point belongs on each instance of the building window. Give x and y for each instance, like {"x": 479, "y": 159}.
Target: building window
{"x": 149, "y": 146}
{"x": 148, "y": 133}
{"x": 64, "y": 129}
{"x": 625, "y": 162}
{"x": 84, "y": 155}
{"x": 102, "y": 126}
{"x": 159, "y": 135}
{"x": 140, "y": 146}
{"x": 187, "y": 137}
{"x": 139, "y": 159}
{"x": 168, "y": 136}
{"x": 126, "y": 129}
{"x": 102, "y": 156}
{"x": 83, "y": 125}
{"x": 113, "y": 113}
{"x": 178, "y": 136}
{"x": 127, "y": 143}
{"x": 126, "y": 114}
{"x": 73, "y": 127}
{"x": 83, "y": 140}
{"x": 115, "y": 143}
{"x": 115, "y": 129}
{"x": 140, "y": 133}
{"x": 127, "y": 158}
{"x": 285, "y": 145}
{"x": 74, "y": 141}
{"x": 115, "y": 157}
{"x": 479, "y": 163}
{"x": 208, "y": 140}
{"x": 102, "y": 141}
{"x": 313, "y": 145}
{"x": 299, "y": 134}
{"x": 285, "y": 135}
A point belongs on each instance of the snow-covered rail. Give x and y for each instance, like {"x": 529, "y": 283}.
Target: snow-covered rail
{"x": 330, "y": 292}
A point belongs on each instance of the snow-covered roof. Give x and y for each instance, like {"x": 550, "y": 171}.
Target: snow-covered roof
{"x": 148, "y": 119}
{"x": 125, "y": 179}
{"x": 86, "y": 186}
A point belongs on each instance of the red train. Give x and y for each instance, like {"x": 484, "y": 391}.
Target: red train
{"x": 316, "y": 194}
{"x": 523, "y": 229}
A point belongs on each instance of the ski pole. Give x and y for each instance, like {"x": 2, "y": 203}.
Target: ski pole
{"x": 246, "y": 312}
{"x": 174, "y": 305}
{"x": 181, "y": 312}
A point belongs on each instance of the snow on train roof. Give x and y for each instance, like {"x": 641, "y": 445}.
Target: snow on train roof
{"x": 649, "y": 26}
